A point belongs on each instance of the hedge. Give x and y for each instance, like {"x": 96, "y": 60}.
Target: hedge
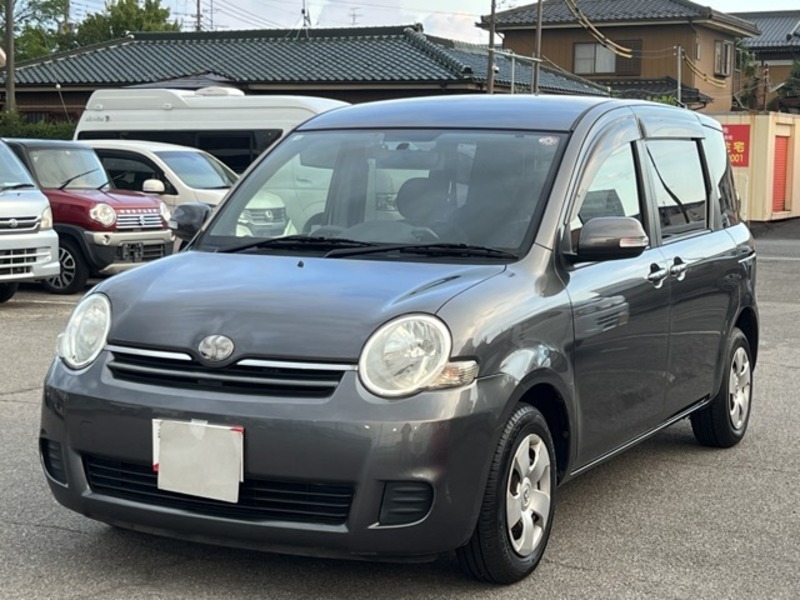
{"x": 13, "y": 125}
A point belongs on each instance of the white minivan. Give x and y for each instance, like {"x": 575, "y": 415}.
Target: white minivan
{"x": 179, "y": 174}
{"x": 223, "y": 121}
{"x": 28, "y": 243}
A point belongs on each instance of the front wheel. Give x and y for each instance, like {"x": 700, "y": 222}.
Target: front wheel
{"x": 7, "y": 291}
{"x": 517, "y": 511}
{"x": 74, "y": 270}
{"x": 723, "y": 422}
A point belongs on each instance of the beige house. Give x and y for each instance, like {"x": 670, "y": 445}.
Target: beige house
{"x": 665, "y": 42}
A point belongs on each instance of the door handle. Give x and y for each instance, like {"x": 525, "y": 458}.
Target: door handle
{"x": 678, "y": 269}
{"x": 657, "y": 275}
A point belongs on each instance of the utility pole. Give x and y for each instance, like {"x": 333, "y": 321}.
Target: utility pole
{"x": 679, "y": 54}
{"x": 490, "y": 73}
{"x": 11, "y": 98}
{"x": 198, "y": 26}
{"x": 537, "y": 64}
{"x": 306, "y": 16}
{"x": 354, "y": 16}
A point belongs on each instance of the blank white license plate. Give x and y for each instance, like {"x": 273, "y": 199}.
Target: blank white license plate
{"x": 195, "y": 458}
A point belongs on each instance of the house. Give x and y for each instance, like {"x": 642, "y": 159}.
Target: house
{"x": 776, "y": 48}
{"x": 639, "y": 48}
{"x": 351, "y": 64}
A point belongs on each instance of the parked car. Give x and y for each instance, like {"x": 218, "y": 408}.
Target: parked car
{"x": 556, "y": 280}
{"x": 179, "y": 174}
{"x": 100, "y": 230}
{"x": 28, "y": 244}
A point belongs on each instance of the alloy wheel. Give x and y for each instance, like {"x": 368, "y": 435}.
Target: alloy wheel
{"x": 69, "y": 268}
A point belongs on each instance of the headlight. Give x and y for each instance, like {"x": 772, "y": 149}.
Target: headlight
{"x": 46, "y": 220}
{"x": 165, "y": 214}
{"x": 86, "y": 331}
{"x": 410, "y": 354}
{"x": 103, "y": 214}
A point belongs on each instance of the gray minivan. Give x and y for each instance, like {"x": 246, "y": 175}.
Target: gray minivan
{"x": 28, "y": 243}
{"x": 554, "y": 280}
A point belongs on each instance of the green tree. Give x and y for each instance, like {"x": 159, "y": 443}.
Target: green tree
{"x": 791, "y": 89}
{"x": 37, "y": 25}
{"x": 122, "y": 16}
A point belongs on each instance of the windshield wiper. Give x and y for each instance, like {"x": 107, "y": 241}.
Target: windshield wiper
{"x": 105, "y": 183}
{"x": 438, "y": 249}
{"x": 299, "y": 240}
{"x": 16, "y": 186}
{"x": 74, "y": 177}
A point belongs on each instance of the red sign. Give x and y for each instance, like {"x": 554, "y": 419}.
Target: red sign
{"x": 737, "y": 140}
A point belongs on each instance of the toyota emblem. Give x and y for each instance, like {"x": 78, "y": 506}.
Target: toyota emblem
{"x": 13, "y": 223}
{"x": 216, "y": 347}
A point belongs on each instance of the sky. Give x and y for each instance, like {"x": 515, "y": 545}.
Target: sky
{"x": 445, "y": 18}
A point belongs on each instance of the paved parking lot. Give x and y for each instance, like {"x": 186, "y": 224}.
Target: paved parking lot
{"x": 668, "y": 519}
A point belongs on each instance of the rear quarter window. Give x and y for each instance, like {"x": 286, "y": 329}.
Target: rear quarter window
{"x": 719, "y": 168}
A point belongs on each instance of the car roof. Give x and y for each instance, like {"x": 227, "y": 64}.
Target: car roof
{"x": 504, "y": 111}
{"x": 138, "y": 145}
{"x": 37, "y": 143}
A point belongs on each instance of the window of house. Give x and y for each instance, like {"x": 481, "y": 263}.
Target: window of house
{"x": 723, "y": 51}
{"x": 680, "y": 186}
{"x": 592, "y": 59}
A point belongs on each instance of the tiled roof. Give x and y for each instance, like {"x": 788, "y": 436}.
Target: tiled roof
{"x": 357, "y": 56}
{"x": 780, "y": 30}
{"x": 616, "y": 11}
{"x": 647, "y": 89}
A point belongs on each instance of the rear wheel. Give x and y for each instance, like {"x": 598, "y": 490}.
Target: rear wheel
{"x": 517, "y": 512}
{"x": 74, "y": 270}
{"x": 724, "y": 421}
{"x": 7, "y": 291}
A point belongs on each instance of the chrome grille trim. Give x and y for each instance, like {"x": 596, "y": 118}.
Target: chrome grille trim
{"x": 252, "y": 362}
{"x": 150, "y": 353}
{"x": 21, "y": 225}
{"x": 249, "y": 376}
{"x": 143, "y": 221}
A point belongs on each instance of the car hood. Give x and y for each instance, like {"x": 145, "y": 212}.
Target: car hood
{"x": 276, "y": 306}
{"x": 22, "y": 203}
{"x": 212, "y": 197}
{"x": 116, "y": 199}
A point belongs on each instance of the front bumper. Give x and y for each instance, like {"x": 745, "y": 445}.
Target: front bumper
{"x": 444, "y": 439}
{"x": 115, "y": 251}
{"x": 28, "y": 256}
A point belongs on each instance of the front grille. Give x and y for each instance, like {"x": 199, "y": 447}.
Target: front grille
{"x": 19, "y": 225}
{"x": 264, "y": 216}
{"x": 53, "y": 460}
{"x": 249, "y": 376}
{"x": 149, "y": 220}
{"x": 20, "y": 261}
{"x": 259, "y": 499}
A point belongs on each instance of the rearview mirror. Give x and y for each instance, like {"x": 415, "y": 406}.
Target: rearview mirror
{"x": 188, "y": 218}
{"x": 153, "y": 186}
{"x": 611, "y": 238}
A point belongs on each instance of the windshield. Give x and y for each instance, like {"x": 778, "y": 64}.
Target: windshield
{"x": 67, "y": 167}
{"x": 198, "y": 170}
{"x": 12, "y": 172}
{"x": 478, "y": 189}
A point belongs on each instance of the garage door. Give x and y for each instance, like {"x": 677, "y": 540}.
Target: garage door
{"x": 780, "y": 174}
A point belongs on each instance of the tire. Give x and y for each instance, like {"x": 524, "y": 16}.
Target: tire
{"x": 724, "y": 421}
{"x": 496, "y": 552}
{"x": 74, "y": 270}
{"x": 7, "y": 291}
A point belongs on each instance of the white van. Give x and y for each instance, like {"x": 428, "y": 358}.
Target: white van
{"x": 28, "y": 243}
{"x": 222, "y": 121}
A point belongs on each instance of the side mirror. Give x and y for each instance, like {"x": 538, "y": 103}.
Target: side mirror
{"x": 611, "y": 238}
{"x": 153, "y": 186}
{"x": 187, "y": 219}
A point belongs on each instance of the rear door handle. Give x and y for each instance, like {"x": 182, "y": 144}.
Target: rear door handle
{"x": 678, "y": 269}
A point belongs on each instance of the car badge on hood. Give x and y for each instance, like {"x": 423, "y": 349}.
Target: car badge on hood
{"x": 216, "y": 347}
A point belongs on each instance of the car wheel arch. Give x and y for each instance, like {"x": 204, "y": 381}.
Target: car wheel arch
{"x": 747, "y": 322}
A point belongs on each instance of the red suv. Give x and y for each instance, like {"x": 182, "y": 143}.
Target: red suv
{"x": 100, "y": 229}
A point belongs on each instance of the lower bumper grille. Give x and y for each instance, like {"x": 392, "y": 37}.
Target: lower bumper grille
{"x": 259, "y": 500}
{"x": 20, "y": 262}
{"x": 137, "y": 252}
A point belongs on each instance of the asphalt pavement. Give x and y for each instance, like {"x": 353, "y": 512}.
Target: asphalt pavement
{"x": 667, "y": 520}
